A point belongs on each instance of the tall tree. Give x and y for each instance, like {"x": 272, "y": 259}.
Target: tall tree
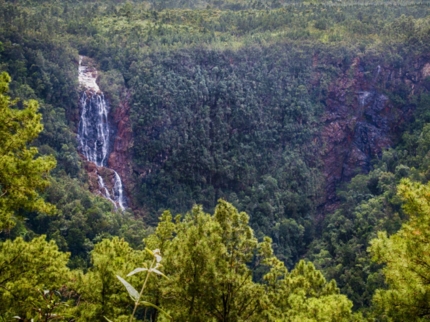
{"x": 303, "y": 294}
{"x": 211, "y": 261}
{"x": 22, "y": 174}
{"x": 28, "y": 270}
{"x": 100, "y": 292}
{"x": 406, "y": 255}
{"x": 207, "y": 265}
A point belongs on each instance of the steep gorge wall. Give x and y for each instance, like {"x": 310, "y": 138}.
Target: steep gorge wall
{"x": 120, "y": 159}
{"x": 361, "y": 119}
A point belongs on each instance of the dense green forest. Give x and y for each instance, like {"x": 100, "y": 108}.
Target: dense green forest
{"x": 292, "y": 136}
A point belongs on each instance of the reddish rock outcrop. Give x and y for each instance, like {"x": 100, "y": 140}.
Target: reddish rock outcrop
{"x": 360, "y": 121}
{"x": 106, "y": 174}
{"x": 120, "y": 157}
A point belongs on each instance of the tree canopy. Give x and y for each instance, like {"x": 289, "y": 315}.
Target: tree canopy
{"x": 407, "y": 260}
{"x": 228, "y": 101}
{"x": 23, "y": 174}
{"x": 29, "y": 272}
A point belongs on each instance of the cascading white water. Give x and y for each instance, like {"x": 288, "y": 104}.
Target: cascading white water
{"x": 119, "y": 192}
{"x": 363, "y": 97}
{"x": 94, "y": 132}
{"x": 106, "y": 190}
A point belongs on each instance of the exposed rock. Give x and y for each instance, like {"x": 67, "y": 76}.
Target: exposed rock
{"x": 120, "y": 157}
{"x": 360, "y": 121}
{"x": 97, "y": 174}
{"x": 88, "y": 74}
{"x": 426, "y": 70}
{"x": 91, "y": 169}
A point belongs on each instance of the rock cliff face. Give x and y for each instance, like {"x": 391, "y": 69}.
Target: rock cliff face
{"x": 120, "y": 157}
{"x": 360, "y": 120}
{"x": 94, "y": 172}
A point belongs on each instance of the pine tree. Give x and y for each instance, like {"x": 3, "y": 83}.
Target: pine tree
{"x": 406, "y": 255}
{"x": 214, "y": 263}
{"x": 22, "y": 174}
{"x": 207, "y": 262}
{"x": 100, "y": 292}
{"x": 28, "y": 271}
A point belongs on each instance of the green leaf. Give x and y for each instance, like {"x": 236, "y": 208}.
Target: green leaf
{"x": 107, "y": 319}
{"x": 156, "y": 271}
{"x": 137, "y": 270}
{"x": 130, "y": 289}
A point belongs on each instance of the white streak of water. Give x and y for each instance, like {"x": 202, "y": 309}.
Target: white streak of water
{"x": 118, "y": 191}
{"x": 362, "y": 97}
{"x": 94, "y": 132}
{"x": 106, "y": 191}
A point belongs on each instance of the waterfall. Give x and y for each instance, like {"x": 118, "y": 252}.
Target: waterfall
{"x": 363, "y": 97}
{"x": 94, "y": 132}
{"x": 118, "y": 190}
{"x": 106, "y": 190}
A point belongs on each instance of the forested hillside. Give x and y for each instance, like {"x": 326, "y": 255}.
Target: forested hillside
{"x": 302, "y": 126}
